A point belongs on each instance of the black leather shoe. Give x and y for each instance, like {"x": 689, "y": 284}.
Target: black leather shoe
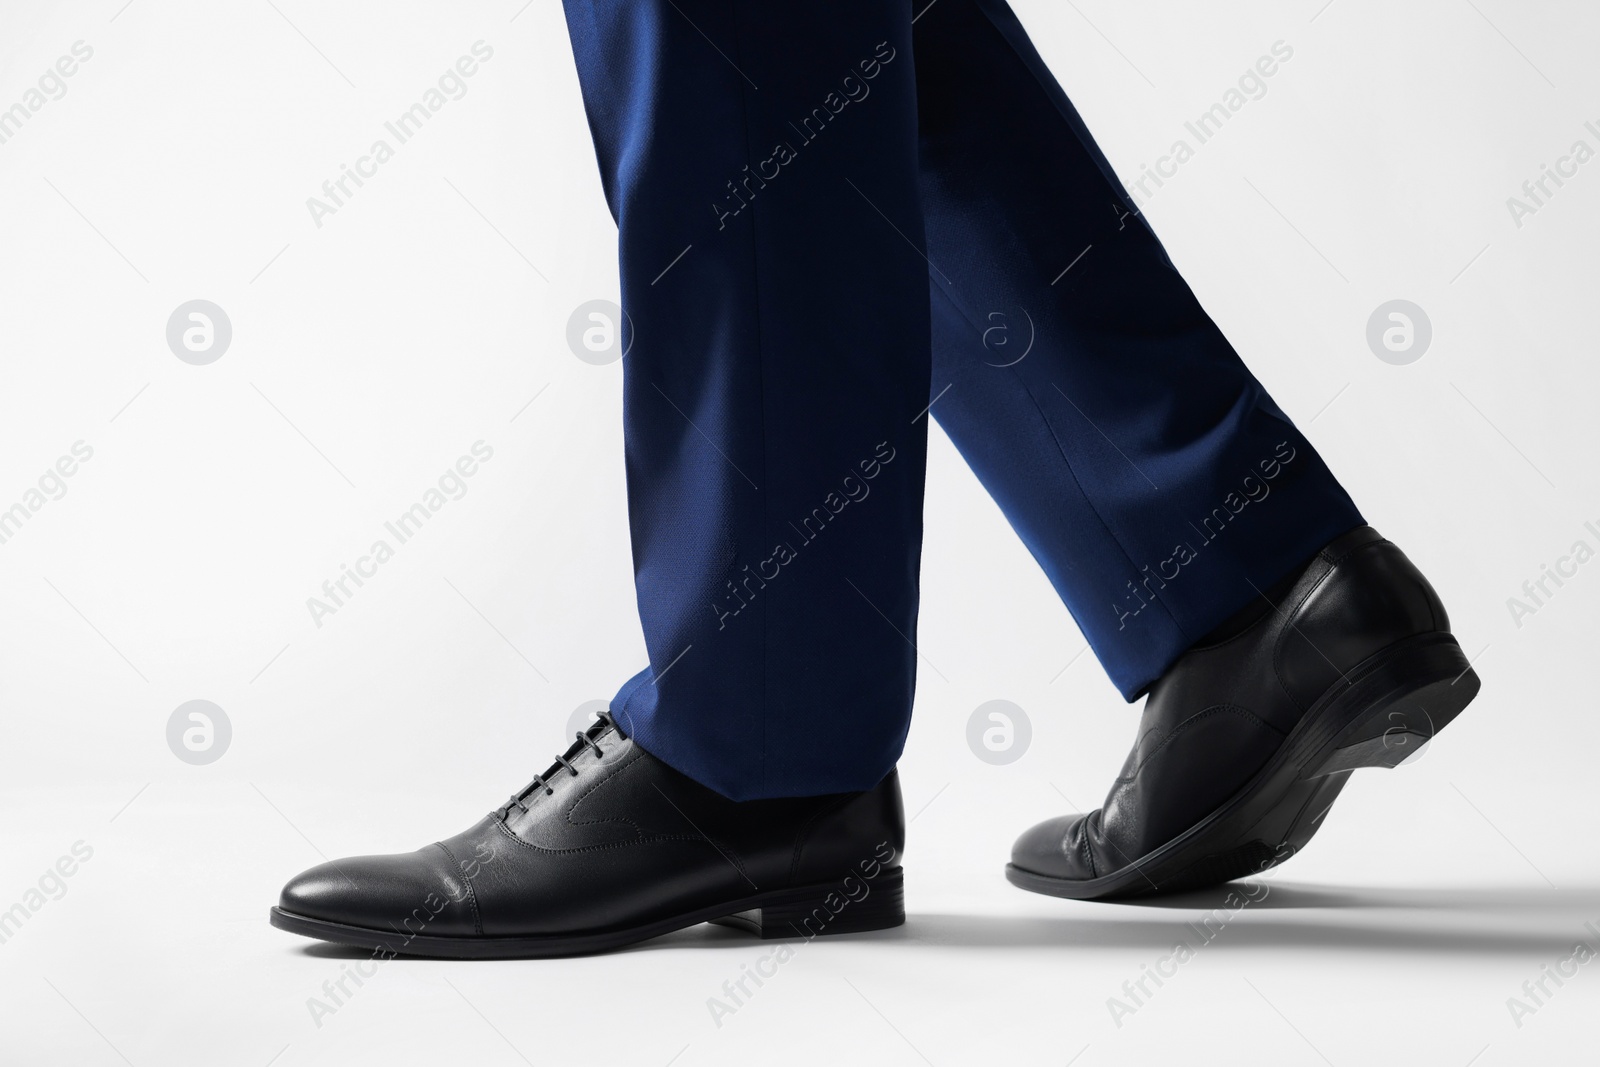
{"x": 1247, "y": 740}
{"x": 611, "y": 846}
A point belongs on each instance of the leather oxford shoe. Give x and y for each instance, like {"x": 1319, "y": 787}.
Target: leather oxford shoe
{"x": 1248, "y": 738}
{"x": 608, "y": 847}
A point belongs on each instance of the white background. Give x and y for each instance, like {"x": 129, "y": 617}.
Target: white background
{"x": 370, "y": 353}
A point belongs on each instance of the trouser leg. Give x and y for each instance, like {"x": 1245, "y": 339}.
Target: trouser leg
{"x": 760, "y": 158}
{"x": 1145, "y": 467}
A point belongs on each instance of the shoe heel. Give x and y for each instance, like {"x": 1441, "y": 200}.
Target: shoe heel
{"x": 1387, "y": 710}
{"x": 849, "y": 906}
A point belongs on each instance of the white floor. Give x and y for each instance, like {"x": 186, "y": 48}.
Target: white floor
{"x": 1401, "y": 935}
{"x": 370, "y": 350}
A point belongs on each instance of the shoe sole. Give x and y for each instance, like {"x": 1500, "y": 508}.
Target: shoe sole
{"x": 802, "y": 913}
{"x": 1379, "y": 715}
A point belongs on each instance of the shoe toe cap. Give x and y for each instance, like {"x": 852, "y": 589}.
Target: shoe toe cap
{"x": 415, "y": 892}
{"x": 1056, "y": 848}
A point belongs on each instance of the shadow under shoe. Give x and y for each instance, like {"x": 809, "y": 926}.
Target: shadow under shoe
{"x": 1245, "y": 743}
{"x": 608, "y": 847}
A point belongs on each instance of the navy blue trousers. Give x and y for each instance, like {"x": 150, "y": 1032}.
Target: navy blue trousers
{"x": 837, "y": 218}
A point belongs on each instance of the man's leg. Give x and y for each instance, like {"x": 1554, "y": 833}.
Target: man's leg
{"x": 1206, "y": 551}
{"x": 1151, "y": 475}
{"x": 761, "y": 161}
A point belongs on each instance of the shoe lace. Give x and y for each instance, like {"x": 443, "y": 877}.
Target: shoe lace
{"x": 585, "y": 738}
